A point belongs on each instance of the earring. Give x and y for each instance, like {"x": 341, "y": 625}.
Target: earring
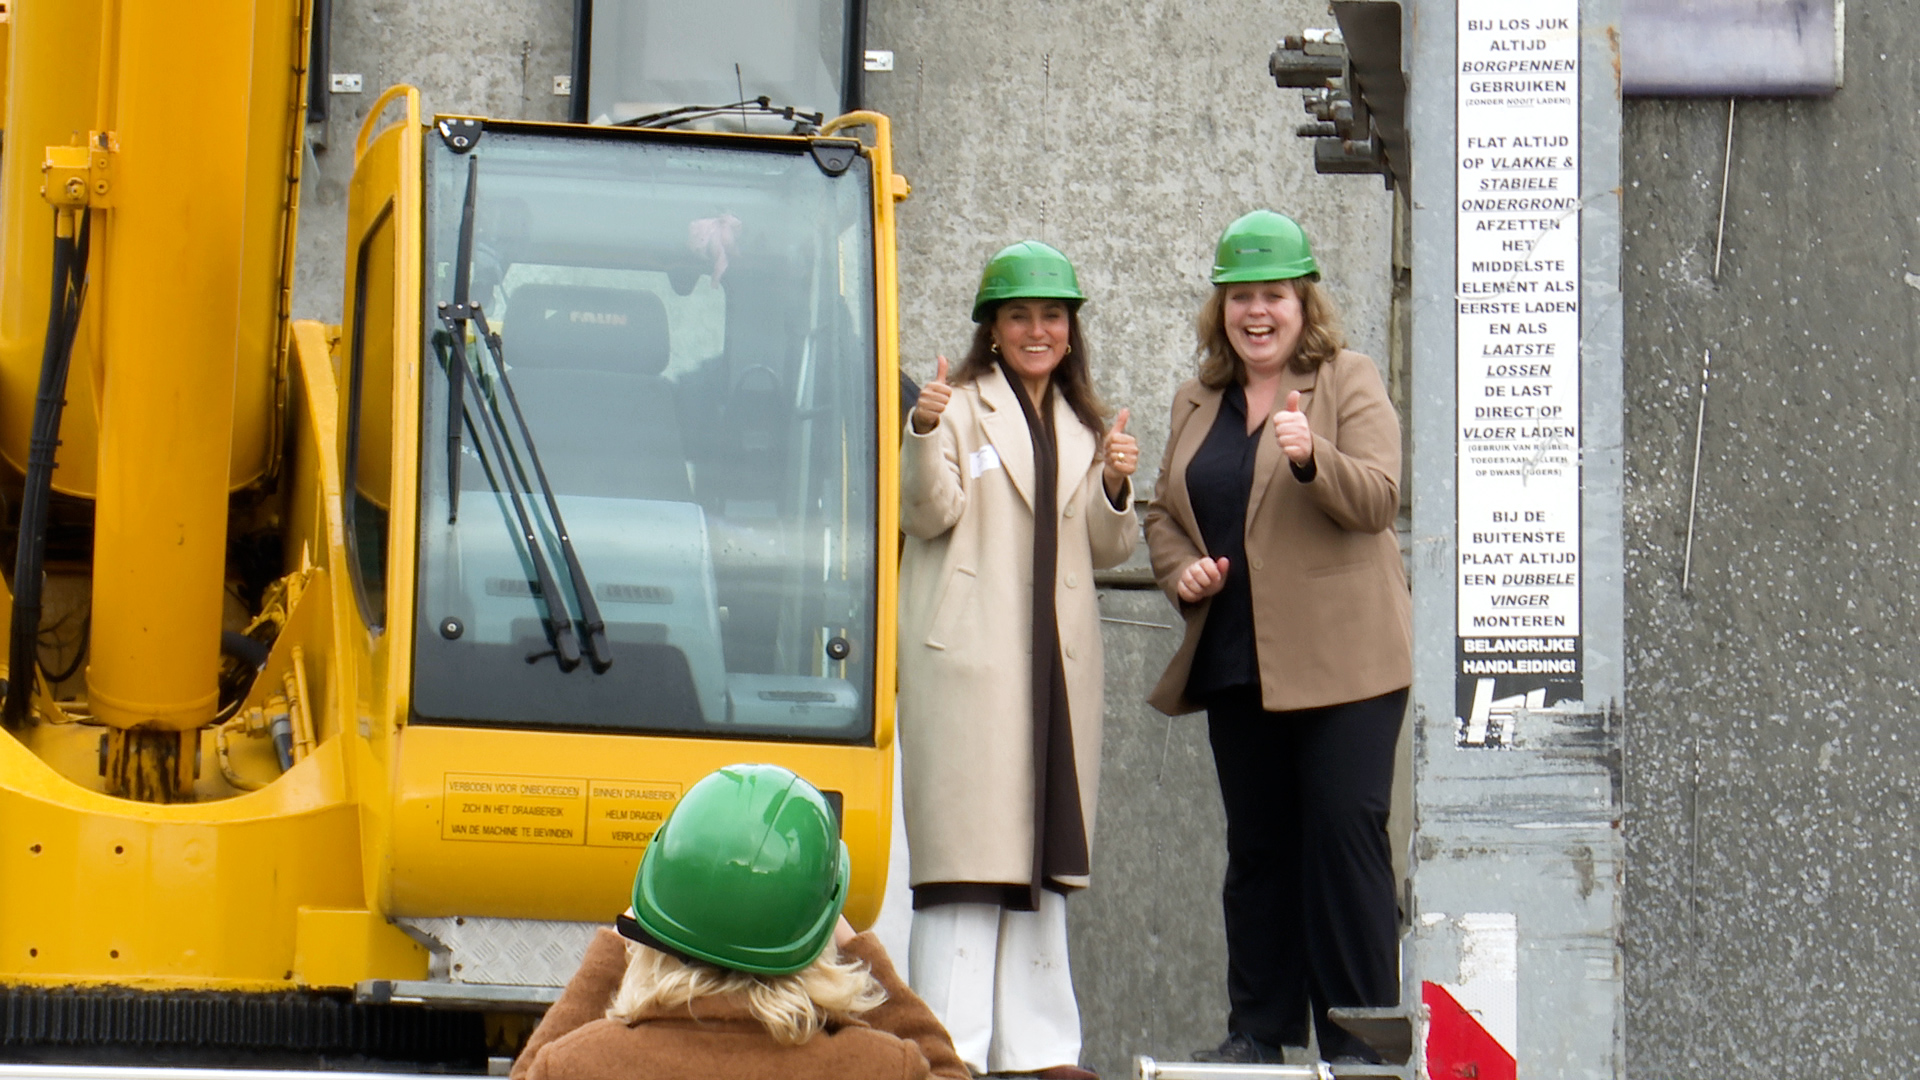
{"x": 1069, "y": 351}
{"x": 994, "y": 348}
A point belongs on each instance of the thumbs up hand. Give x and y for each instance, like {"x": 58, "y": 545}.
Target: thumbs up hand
{"x": 1120, "y": 455}
{"x": 933, "y": 400}
{"x": 1295, "y": 434}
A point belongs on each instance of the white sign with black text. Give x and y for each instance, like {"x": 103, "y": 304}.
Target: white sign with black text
{"x": 1517, "y": 301}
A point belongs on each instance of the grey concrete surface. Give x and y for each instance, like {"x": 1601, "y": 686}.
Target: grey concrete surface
{"x": 491, "y": 60}
{"x": 1126, "y": 134}
{"x": 1149, "y": 954}
{"x": 1771, "y": 770}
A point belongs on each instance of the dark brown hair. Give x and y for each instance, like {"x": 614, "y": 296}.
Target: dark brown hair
{"x": 1320, "y": 336}
{"x": 1071, "y": 378}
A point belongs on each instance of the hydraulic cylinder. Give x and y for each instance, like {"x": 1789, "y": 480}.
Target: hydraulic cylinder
{"x": 171, "y": 338}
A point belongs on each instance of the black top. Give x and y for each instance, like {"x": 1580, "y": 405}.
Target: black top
{"x": 1219, "y": 483}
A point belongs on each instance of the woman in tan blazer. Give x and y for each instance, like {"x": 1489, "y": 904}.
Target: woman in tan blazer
{"x": 1013, "y": 492}
{"x": 1271, "y": 529}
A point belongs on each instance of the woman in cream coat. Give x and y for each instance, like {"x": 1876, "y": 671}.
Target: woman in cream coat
{"x": 1012, "y": 493}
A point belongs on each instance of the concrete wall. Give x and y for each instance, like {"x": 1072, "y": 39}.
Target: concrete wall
{"x": 1771, "y": 766}
{"x": 497, "y": 59}
{"x": 1125, "y": 133}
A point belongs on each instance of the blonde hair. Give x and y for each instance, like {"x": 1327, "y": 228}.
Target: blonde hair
{"x": 793, "y": 1008}
{"x": 1320, "y": 336}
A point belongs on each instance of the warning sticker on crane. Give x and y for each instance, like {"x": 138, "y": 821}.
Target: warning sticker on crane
{"x": 555, "y": 809}
{"x": 515, "y": 809}
{"x": 625, "y": 813}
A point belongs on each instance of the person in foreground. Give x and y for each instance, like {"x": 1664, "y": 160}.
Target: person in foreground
{"x": 1013, "y": 491}
{"x": 734, "y": 962}
{"x": 1271, "y": 529}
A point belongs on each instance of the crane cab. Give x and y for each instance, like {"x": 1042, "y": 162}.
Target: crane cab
{"x": 617, "y": 488}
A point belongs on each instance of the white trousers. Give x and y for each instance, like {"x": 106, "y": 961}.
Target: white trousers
{"x": 999, "y": 981}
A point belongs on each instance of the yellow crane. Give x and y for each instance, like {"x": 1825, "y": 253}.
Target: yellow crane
{"x": 422, "y": 620}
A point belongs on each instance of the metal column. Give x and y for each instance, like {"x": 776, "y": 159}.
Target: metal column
{"x": 1518, "y": 856}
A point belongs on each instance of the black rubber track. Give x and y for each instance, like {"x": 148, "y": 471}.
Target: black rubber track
{"x": 113, "y": 1025}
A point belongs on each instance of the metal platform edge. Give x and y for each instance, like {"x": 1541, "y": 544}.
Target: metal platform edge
{"x": 1146, "y": 1068}
{"x": 491, "y": 997}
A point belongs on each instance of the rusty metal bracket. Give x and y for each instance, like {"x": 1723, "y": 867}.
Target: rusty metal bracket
{"x": 1355, "y": 91}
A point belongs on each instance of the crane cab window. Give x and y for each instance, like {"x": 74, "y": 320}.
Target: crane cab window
{"x": 368, "y": 446}
{"x": 687, "y": 333}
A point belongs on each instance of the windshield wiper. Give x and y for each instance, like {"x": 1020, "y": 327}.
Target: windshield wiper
{"x": 598, "y": 651}
{"x": 454, "y": 316}
{"x": 557, "y": 620}
{"x": 462, "y": 282}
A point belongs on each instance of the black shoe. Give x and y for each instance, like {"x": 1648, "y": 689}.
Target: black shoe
{"x": 1240, "y": 1049}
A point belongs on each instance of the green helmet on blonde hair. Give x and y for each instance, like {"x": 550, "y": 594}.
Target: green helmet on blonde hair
{"x": 748, "y": 872}
{"x": 1026, "y": 270}
{"x": 1263, "y": 246}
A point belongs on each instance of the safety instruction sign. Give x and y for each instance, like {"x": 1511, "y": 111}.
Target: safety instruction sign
{"x": 554, "y": 809}
{"x": 1517, "y": 301}
{"x": 626, "y": 813}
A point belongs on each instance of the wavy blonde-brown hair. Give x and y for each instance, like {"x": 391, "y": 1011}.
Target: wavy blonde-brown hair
{"x": 793, "y": 1008}
{"x": 1321, "y": 338}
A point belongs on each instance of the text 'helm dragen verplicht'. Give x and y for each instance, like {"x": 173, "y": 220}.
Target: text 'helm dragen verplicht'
{"x": 748, "y": 872}
{"x": 1026, "y": 270}
{"x": 1263, "y": 246}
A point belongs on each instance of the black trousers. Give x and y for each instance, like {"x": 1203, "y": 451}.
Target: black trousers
{"x": 1309, "y": 894}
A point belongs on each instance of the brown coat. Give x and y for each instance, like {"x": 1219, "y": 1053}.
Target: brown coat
{"x": 966, "y": 711}
{"x": 1332, "y": 618}
{"x": 717, "y": 1039}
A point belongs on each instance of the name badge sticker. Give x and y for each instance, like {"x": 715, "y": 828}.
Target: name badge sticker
{"x": 982, "y": 460}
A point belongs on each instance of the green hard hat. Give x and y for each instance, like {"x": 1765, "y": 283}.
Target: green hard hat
{"x": 747, "y": 872}
{"x": 1263, "y": 246}
{"x": 1028, "y": 269}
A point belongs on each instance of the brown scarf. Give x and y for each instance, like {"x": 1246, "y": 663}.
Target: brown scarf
{"x": 1060, "y": 837}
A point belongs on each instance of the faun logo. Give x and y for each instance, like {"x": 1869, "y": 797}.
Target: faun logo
{"x": 601, "y": 318}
